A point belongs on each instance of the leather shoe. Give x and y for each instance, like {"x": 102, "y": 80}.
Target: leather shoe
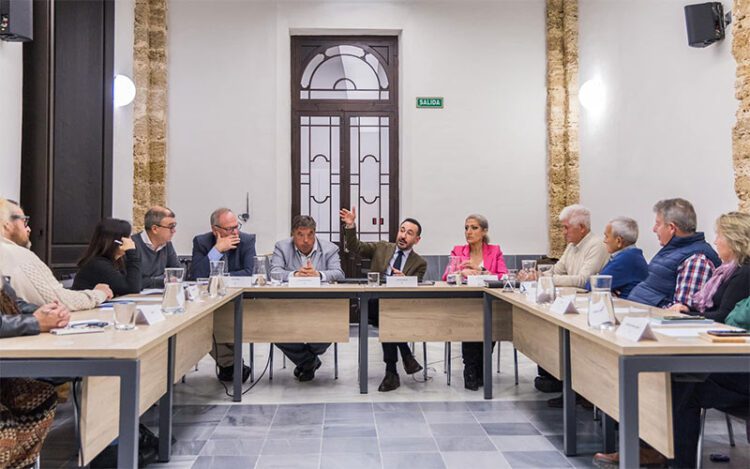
{"x": 226, "y": 373}
{"x": 547, "y": 384}
{"x": 390, "y": 382}
{"x": 471, "y": 379}
{"x": 557, "y": 402}
{"x": 307, "y": 374}
{"x": 411, "y": 365}
{"x": 649, "y": 457}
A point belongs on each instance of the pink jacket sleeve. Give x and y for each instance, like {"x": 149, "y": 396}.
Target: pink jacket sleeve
{"x": 497, "y": 262}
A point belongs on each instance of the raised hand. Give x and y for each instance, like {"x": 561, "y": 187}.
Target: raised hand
{"x": 396, "y": 272}
{"x": 348, "y": 217}
{"x": 127, "y": 244}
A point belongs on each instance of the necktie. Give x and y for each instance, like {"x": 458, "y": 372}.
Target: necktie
{"x": 399, "y": 260}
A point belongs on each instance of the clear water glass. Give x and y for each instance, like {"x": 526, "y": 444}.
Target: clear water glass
{"x": 277, "y": 278}
{"x": 509, "y": 280}
{"x": 124, "y": 315}
{"x": 545, "y": 285}
{"x": 601, "y": 312}
{"x": 373, "y": 279}
{"x": 260, "y": 271}
{"x": 202, "y": 284}
{"x": 528, "y": 269}
{"x": 216, "y": 279}
{"x": 173, "y": 301}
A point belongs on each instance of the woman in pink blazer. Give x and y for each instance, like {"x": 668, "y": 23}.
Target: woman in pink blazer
{"x": 479, "y": 258}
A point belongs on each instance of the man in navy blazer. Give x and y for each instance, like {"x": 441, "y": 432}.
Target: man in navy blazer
{"x": 224, "y": 242}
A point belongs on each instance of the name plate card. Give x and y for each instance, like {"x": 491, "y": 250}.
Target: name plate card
{"x": 564, "y": 305}
{"x": 304, "y": 282}
{"x": 635, "y": 329}
{"x": 478, "y": 280}
{"x": 401, "y": 281}
{"x": 149, "y": 314}
{"x": 238, "y": 282}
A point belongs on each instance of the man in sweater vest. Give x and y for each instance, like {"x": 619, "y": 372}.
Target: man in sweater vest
{"x": 683, "y": 264}
{"x": 154, "y": 245}
{"x": 626, "y": 265}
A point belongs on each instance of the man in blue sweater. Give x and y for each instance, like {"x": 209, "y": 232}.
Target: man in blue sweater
{"x": 626, "y": 265}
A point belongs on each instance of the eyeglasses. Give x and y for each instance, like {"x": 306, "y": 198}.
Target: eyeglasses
{"x": 171, "y": 227}
{"x": 21, "y": 217}
{"x": 230, "y": 228}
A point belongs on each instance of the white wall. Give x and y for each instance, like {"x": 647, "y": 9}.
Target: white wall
{"x": 11, "y": 87}
{"x": 666, "y": 128}
{"x": 122, "y": 153}
{"x": 229, "y": 113}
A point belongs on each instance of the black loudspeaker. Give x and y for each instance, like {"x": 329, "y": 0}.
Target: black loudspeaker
{"x": 15, "y": 20}
{"x": 705, "y": 23}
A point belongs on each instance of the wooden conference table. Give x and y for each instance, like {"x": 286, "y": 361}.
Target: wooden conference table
{"x": 149, "y": 361}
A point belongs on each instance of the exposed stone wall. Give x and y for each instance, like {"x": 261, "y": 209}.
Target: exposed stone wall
{"x": 562, "y": 115}
{"x": 150, "y": 107}
{"x": 741, "y": 132}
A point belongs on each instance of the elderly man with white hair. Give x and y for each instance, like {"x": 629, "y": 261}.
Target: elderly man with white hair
{"x": 626, "y": 265}
{"x": 585, "y": 254}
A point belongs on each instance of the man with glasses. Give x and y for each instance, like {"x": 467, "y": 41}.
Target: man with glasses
{"x": 224, "y": 242}
{"x": 154, "y": 245}
{"x": 29, "y": 276}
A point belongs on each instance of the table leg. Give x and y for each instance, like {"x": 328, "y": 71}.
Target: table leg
{"x": 629, "y": 447}
{"x": 237, "y": 380}
{"x": 363, "y": 325}
{"x": 608, "y": 428}
{"x": 127, "y": 452}
{"x": 487, "y": 352}
{"x": 569, "y": 400}
{"x": 165, "y": 407}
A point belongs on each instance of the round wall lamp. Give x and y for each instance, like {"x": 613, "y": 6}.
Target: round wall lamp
{"x": 124, "y": 91}
{"x": 592, "y": 95}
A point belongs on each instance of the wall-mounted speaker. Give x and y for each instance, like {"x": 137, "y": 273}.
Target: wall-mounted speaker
{"x": 705, "y": 23}
{"x": 15, "y": 20}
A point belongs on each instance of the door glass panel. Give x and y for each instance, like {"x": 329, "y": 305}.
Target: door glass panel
{"x": 369, "y": 190}
{"x": 344, "y": 72}
{"x": 320, "y": 180}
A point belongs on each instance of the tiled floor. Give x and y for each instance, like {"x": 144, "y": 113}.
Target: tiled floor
{"x": 327, "y": 424}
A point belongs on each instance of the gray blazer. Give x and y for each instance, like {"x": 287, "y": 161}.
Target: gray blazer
{"x": 326, "y": 260}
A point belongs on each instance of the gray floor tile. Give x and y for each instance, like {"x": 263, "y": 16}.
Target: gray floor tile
{"x": 354, "y": 418}
{"x": 292, "y": 446}
{"x": 397, "y": 430}
{"x": 175, "y": 462}
{"x": 399, "y": 417}
{"x": 286, "y": 461}
{"x": 309, "y": 414}
{"x": 347, "y": 431}
{"x": 249, "y": 415}
{"x": 443, "y": 407}
{"x": 222, "y": 462}
{"x": 485, "y": 406}
{"x": 407, "y": 444}
{"x": 349, "y": 407}
{"x": 350, "y": 445}
{"x": 501, "y": 416}
{"x": 536, "y": 459}
{"x": 522, "y": 443}
{"x": 236, "y": 433}
{"x": 187, "y": 447}
{"x": 199, "y": 413}
{"x": 350, "y": 461}
{"x": 296, "y": 431}
{"x": 232, "y": 448}
{"x": 189, "y": 431}
{"x": 413, "y": 461}
{"x": 457, "y": 429}
{"x": 586, "y": 443}
{"x": 465, "y": 443}
{"x": 585, "y": 461}
{"x": 396, "y": 407}
{"x": 510, "y": 429}
{"x": 450, "y": 417}
{"x": 475, "y": 460}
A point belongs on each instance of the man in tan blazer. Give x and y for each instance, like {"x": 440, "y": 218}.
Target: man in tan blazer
{"x": 387, "y": 258}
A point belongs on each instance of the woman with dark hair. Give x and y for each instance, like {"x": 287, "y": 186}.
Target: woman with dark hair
{"x": 111, "y": 258}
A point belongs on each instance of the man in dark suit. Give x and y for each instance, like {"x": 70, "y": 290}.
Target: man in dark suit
{"x": 224, "y": 242}
{"x": 387, "y": 258}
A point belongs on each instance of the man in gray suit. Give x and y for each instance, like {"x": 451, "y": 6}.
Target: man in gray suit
{"x": 305, "y": 255}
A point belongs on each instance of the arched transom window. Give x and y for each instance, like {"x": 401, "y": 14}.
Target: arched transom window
{"x": 344, "y": 72}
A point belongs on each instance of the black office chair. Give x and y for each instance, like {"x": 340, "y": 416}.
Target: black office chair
{"x": 740, "y": 413}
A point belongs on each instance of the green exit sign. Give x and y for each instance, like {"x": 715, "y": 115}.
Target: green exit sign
{"x": 430, "y": 102}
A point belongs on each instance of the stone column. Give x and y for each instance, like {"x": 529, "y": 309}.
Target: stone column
{"x": 563, "y": 185}
{"x": 741, "y": 130}
{"x": 150, "y": 107}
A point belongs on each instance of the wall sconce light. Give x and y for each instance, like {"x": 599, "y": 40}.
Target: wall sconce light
{"x": 592, "y": 95}
{"x": 124, "y": 91}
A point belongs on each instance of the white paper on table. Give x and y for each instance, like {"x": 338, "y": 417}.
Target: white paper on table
{"x": 629, "y": 310}
{"x": 145, "y": 299}
{"x": 478, "y": 280}
{"x": 152, "y": 291}
{"x": 635, "y": 329}
{"x": 149, "y": 314}
{"x": 682, "y": 331}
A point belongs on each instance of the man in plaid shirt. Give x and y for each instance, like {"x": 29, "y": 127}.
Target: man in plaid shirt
{"x": 685, "y": 261}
